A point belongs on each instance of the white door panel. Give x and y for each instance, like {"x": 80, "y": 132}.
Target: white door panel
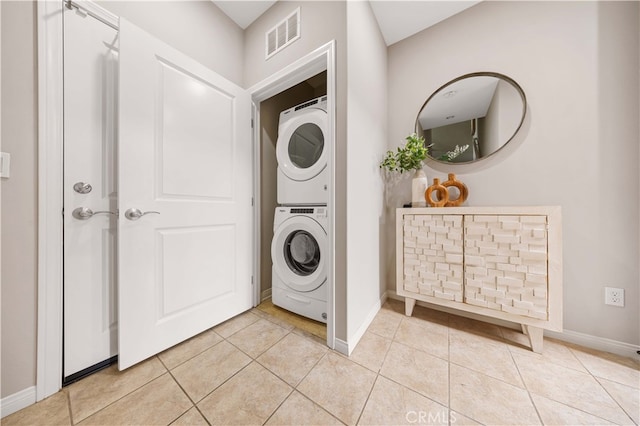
{"x": 90, "y": 79}
{"x": 192, "y": 110}
{"x": 184, "y": 152}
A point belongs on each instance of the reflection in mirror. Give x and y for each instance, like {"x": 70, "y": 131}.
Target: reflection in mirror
{"x": 471, "y": 117}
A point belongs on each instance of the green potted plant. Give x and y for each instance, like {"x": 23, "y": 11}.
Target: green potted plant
{"x": 408, "y": 158}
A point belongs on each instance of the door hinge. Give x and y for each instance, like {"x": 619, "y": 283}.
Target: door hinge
{"x": 252, "y": 202}
{"x": 251, "y": 279}
{"x": 252, "y": 123}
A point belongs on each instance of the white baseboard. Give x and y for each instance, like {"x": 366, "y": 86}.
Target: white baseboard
{"x": 346, "y": 348}
{"x": 265, "y": 295}
{"x": 17, "y": 401}
{"x": 595, "y": 342}
{"x": 582, "y": 339}
{"x": 341, "y": 346}
{"x": 355, "y": 338}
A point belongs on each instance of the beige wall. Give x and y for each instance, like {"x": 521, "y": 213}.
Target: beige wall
{"x": 19, "y": 197}
{"x": 578, "y": 65}
{"x": 199, "y": 29}
{"x": 321, "y": 22}
{"x": 367, "y": 143}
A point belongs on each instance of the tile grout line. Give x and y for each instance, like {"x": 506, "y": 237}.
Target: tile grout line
{"x": 228, "y": 378}
{"x": 402, "y": 384}
{"x": 167, "y": 370}
{"x": 305, "y": 376}
{"x": 68, "y": 407}
{"x": 125, "y": 395}
{"x": 511, "y": 347}
{"x": 531, "y": 393}
{"x": 594, "y": 377}
{"x": 255, "y": 359}
{"x": 614, "y": 399}
{"x": 367, "y": 400}
{"x": 384, "y": 358}
{"x": 422, "y": 351}
{"x": 489, "y": 376}
{"x": 267, "y": 317}
{"x": 193, "y": 404}
{"x": 240, "y": 329}
{"x": 195, "y": 355}
{"x": 526, "y": 388}
{"x": 281, "y": 403}
{"x": 270, "y": 346}
{"x": 293, "y": 389}
{"x": 179, "y": 385}
{"x": 202, "y": 415}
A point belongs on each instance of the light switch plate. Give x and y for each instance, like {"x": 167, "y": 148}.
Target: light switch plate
{"x": 5, "y": 164}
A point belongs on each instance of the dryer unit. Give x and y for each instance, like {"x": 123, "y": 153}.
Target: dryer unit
{"x": 301, "y": 154}
{"x": 298, "y": 253}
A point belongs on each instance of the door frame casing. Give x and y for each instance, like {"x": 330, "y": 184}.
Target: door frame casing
{"x": 321, "y": 59}
{"x": 49, "y": 345}
{"x": 50, "y": 201}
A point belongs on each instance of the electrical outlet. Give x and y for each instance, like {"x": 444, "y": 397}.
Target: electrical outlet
{"x": 5, "y": 164}
{"x": 614, "y": 296}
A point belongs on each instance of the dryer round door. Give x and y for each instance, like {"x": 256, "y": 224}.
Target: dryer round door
{"x": 297, "y": 252}
{"x": 300, "y": 150}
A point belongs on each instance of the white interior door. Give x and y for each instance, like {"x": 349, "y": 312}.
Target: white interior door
{"x": 90, "y": 79}
{"x": 185, "y": 165}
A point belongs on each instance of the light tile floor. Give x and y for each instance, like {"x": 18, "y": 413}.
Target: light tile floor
{"x": 431, "y": 368}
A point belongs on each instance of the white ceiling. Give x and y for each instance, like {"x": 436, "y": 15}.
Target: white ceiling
{"x": 244, "y": 12}
{"x": 397, "y": 19}
{"x": 401, "y": 19}
{"x": 463, "y": 100}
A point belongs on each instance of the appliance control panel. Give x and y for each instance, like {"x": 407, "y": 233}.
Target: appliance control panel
{"x": 317, "y": 211}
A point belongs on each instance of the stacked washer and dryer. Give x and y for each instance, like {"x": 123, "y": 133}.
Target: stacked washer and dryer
{"x": 299, "y": 246}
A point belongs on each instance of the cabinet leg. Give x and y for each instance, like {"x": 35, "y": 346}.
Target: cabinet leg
{"x": 408, "y": 306}
{"x": 535, "y": 337}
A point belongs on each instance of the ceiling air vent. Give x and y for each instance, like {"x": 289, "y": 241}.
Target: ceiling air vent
{"x": 283, "y": 34}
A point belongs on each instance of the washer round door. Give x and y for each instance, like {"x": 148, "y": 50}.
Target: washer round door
{"x": 300, "y": 150}
{"x": 297, "y": 253}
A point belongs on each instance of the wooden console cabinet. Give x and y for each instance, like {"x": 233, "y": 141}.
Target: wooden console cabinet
{"x": 500, "y": 262}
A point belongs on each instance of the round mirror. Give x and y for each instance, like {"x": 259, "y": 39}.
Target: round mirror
{"x": 471, "y": 117}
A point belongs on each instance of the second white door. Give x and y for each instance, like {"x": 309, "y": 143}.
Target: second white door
{"x": 89, "y": 182}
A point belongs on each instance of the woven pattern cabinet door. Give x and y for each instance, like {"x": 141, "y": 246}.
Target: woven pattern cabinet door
{"x": 506, "y": 263}
{"x": 433, "y": 258}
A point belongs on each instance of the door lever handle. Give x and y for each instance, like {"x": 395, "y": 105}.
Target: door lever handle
{"x": 85, "y": 213}
{"x": 135, "y": 214}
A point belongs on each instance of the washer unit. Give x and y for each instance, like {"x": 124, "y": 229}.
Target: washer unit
{"x": 301, "y": 154}
{"x": 298, "y": 254}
